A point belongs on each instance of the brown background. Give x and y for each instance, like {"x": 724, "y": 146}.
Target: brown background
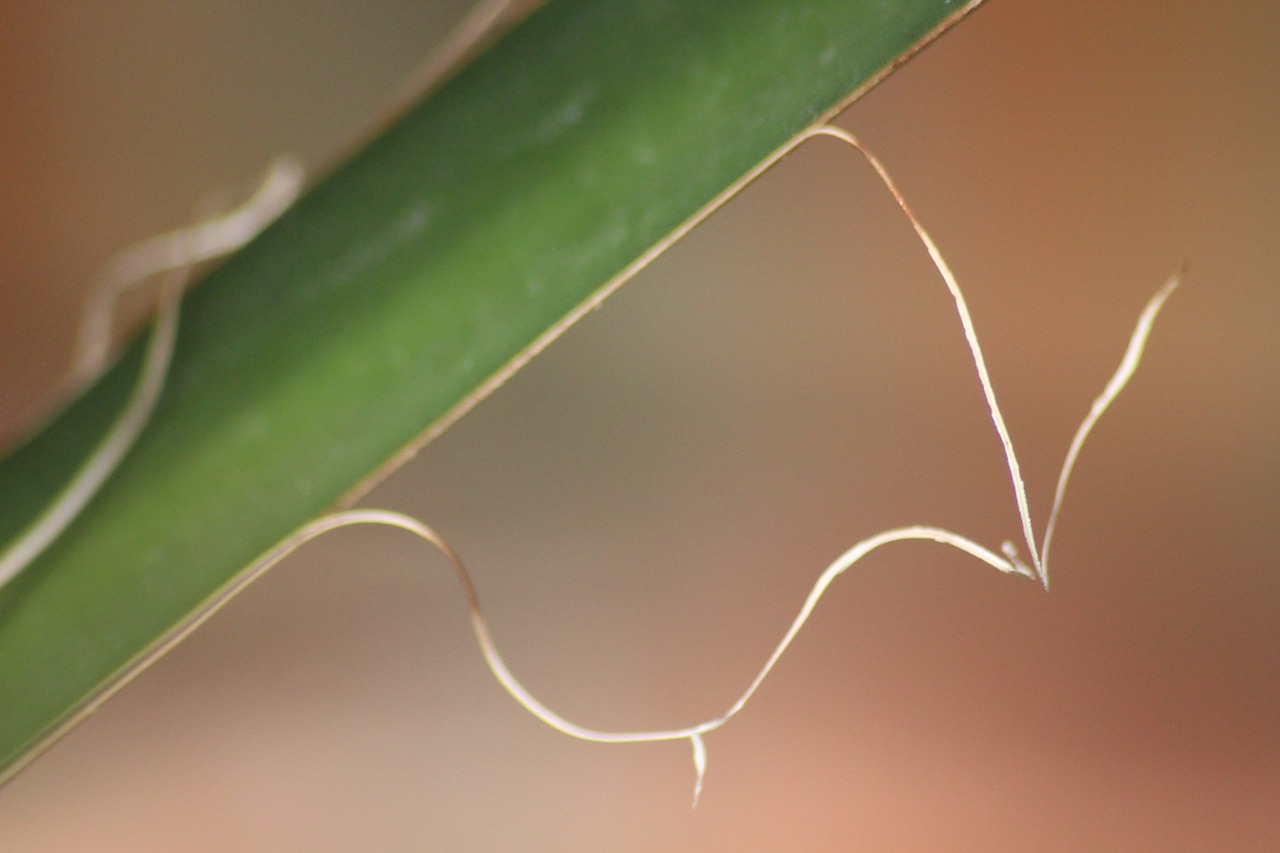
{"x": 645, "y": 506}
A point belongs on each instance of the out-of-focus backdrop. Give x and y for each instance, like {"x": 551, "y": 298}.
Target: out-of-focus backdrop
{"x": 646, "y": 505}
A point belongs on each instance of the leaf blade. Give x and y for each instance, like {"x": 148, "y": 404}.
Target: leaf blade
{"x": 388, "y": 298}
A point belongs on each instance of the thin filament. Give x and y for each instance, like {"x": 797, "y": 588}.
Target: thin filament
{"x": 174, "y": 254}
{"x": 175, "y": 250}
{"x": 489, "y": 650}
{"x": 1008, "y": 563}
{"x": 100, "y": 464}
{"x": 970, "y": 335}
{"x": 1128, "y": 365}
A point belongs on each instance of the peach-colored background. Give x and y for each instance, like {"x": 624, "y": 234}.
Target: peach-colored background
{"x": 646, "y": 505}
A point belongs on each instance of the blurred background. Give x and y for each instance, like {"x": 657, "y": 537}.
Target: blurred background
{"x": 645, "y": 506}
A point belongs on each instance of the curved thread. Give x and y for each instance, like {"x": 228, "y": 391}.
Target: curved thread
{"x": 1128, "y": 364}
{"x": 970, "y": 336}
{"x": 173, "y": 254}
{"x": 183, "y": 248}
{"x": 102, "y": 461}
{"x": 153, "y": 375}
{"x": 499, "y": 667}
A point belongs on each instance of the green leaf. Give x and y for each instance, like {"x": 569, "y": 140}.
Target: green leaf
{"x": 388, "y": 299}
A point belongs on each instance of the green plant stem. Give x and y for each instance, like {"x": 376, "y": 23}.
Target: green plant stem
{"x": 392, "y": 297}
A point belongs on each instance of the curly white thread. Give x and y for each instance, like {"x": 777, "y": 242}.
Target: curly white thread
{"x": 173, "y": 254}
{"x": 176, "y": 250}
{"x": 153, "y": 375}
